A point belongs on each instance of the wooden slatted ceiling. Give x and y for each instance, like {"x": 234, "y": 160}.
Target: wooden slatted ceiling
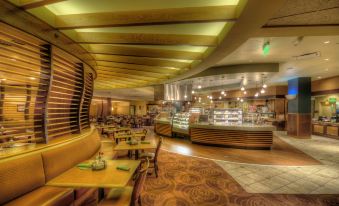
{"x": 119, "y": 36}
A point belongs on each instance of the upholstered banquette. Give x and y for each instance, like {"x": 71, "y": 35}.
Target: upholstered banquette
{"x": 23, "y": 177}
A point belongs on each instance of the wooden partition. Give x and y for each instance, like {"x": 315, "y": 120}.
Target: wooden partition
{"x": 44, "y": 92}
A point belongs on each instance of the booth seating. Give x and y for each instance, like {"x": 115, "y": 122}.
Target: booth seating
{"x": 23, "y": 177}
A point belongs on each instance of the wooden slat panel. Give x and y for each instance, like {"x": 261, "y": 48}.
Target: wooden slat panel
{"x": 163, "y": 129}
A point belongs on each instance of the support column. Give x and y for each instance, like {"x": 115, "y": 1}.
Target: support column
{"x": 299, "y": 108}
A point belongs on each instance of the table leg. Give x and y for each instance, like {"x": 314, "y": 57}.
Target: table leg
{"x": 136, "y": 154}
{"x": 101, "y": 193}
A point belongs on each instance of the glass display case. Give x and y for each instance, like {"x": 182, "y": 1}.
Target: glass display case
{"x": 227, "y": 116}
{"x": 180, "y": 123}
{"x": 197, "y": 110}
{"x": 164, "y": 116}
{"x": 257, "y": 117}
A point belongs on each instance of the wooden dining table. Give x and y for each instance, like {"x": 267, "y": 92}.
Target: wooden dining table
{"x": 124, "y": 146}
{"x": 110, "y": 177}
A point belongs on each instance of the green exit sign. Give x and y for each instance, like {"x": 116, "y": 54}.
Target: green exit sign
{"x": 332, "y": 100}
{"x": 266, "y": 48}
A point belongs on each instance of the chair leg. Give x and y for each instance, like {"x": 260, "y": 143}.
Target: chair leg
{"x": 139, "y": 201}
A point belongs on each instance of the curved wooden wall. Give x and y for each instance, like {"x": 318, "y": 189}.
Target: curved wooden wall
{"x": 233, "y": 138}
{"x": 44, "y": 91}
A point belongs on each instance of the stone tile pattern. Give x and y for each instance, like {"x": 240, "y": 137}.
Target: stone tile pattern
{"x": 316, "y": 179}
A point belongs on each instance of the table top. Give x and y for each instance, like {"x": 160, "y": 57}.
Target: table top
{"x": 124, "y": 146}
{"x": 110, "y": 177}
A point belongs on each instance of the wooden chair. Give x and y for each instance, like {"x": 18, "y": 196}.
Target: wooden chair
{"x": 153, "y": 157}
{"x": 127, "y": 196}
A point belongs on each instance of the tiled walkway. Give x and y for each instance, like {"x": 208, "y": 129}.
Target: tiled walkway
{"x": 317, "y": 179}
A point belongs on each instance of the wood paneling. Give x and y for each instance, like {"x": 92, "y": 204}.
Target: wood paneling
{"x": 318, "y": 129}
{"x": 233, "y": 138}
{"x": 163, "y": 129}
{"x": 86, "y": 99}
{"x": 332, "y": 131}
{"x": 148, "y": 17}
{"x": 299, "y": 125}
{"x": 325, "y": 86}
{"x": 35, "y": 4}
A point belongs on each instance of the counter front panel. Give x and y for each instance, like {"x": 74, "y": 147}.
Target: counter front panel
{"x": 163, "y": 129}
{"x": 251, "y": 138}
{"x": 326, "y": 129}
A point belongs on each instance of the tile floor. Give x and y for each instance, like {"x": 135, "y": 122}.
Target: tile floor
{"x": 316, "y": 179}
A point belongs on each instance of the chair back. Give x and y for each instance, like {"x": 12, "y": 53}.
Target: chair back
{"x": 158, "y": 149}
{"x": 139, "y": 183}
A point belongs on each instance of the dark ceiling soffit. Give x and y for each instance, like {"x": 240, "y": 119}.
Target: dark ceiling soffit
{"x": 221, "y": 87}
{"x": 22, "y": 20}
{"x": 240, "y": 68}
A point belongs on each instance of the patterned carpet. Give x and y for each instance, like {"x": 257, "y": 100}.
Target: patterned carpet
{"x": 192, "y": 181}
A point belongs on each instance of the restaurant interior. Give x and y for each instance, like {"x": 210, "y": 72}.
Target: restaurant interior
{"x": 169, "y": 102}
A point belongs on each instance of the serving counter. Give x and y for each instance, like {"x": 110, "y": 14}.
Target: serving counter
{"x": 326, "y": 129}
{"x": 163, "y": 127}
{"x": 246, "y": 136}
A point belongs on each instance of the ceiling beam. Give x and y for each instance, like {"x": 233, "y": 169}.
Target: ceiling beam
{"x": 131, "y": 71}
{"x": 36, "y": 4}
{"x": 143, "y": 52}
{"x": 306, "y": 30}
{"x": 147, "y": 17}
{"x": 139, "y": 77}
{"x": 112, "y": 77}
{"x": 146, "y": 39}
{"x": 141, "y": 61}
{"x": 152, "y": 69}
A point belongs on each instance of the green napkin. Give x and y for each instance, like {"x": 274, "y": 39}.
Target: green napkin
{"x": 145, "y": 142}
{"x": 84, "y": 166}
{"x": 123, "y": 167}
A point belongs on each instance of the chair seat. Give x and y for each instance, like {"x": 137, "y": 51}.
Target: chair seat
{"x": 150, "y": 155}
{"x": 118, "y": 197}
{"x": 47, "y": 196}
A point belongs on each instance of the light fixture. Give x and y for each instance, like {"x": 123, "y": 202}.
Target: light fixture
{"x": 245, "y": 92}
{"x": 185, "y": 96}
{"x": 199, "y": 86}
{"x": 319, "y": 77}
{"x": 189, "y": 103}
{"x": 326, "y": 59}
{"x": 211, "y": 101}
{"x": 326, "y": 42}
{"x": 225, "y": 95}
{"x": 195, "y": 98}
{"x": 256, "y": 94}
{"x": 211, "y": 97}
{"x": 242, "y": 88}
{"x": 32, "y": 78}
{"x": 241, "y": 100}
{"x": 264, "y": 86}
{"x": 262, "y": 91}
{"x": 222, "y": 92}
{"x": 238, "y": 98}
{"x": 208, "y": 97}
{"x": 193, "y": 91}
{"x": 3, "y": 79}
{"x": 220, "y": 97}
{"x": 326, "y": 69}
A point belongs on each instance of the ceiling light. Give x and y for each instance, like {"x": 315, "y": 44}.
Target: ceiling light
{"x": 32, "y": 78}
{"x": 208, "y": 97}
{"x": 189, "y": 103}
{"x": 241, "y": 100}
{"x": 245, "y": 92}
{"x": 225, "y": 95}
{"x": 242, "y": 88}
{"x": 262, "y": 91}
{"x": 220, "y": 97}
{"x": 185, "y": 96}
{"x": 326, "y": 59}
{"x": 199, "y": 86}
{"x": 222, "y": 92}
{"x": 319, "y": 77}
{"x": 264, "y": 86}
{"x": 3, "y": 79}
{"x": 193, "y": 92}
{"x": 256, "y": 94}
{"x": 211, "y": 97}
{"x": 238, "y": 98}
{"x": 211, "y": 101}
{"x": 326, "y": 42}
{"x": 326, "y": 69}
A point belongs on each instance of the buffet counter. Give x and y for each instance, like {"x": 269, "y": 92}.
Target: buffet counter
{"x": 326, "y": 129}
{"x": 163, "y": 127}
{"x": 248, "y": 136}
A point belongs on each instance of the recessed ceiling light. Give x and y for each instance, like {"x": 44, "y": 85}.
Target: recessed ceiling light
{"x": 326, "y": 59}
{"x": 319, "y": 77}
{"x": 199, "y": 87}
{"x": 32, "y": 78}
{"x": 326, "y": 42}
